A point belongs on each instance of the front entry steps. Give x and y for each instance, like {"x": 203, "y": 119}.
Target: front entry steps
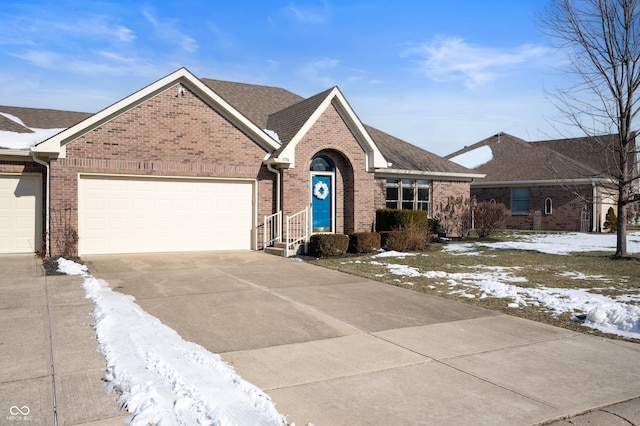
{"x": 280, "y": 249}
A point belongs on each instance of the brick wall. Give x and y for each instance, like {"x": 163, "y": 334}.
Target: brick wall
{"x": 355, "y": 188}
{"x": 163, "y": 136}
{"x": 567, "y": 206}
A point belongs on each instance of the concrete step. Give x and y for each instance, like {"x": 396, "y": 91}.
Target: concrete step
{"x": 279, "y": 249}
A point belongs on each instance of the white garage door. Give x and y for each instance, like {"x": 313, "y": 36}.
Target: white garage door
{"x": 20, "y": 213}
{"x": 142, "y": 215}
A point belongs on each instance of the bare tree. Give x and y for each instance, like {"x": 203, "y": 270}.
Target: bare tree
{"x": 602, "y": 41}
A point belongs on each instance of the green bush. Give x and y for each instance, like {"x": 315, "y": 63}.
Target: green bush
{"x": 395, "y": 240}
{"x": 327, "y": 245}
{"x": 364, "y": 242}
{"x": 435, "y": 228}
{"x": 394, "y": 219}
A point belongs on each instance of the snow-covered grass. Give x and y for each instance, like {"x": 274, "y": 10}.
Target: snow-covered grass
{"x": 487, "y": 273}
{"x": 162, "y": 379}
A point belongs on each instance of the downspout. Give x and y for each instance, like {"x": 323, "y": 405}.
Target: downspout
{"x": 277, "y": 173}
{"x": 594, "y": 207}
{"x": 46, "y": 202}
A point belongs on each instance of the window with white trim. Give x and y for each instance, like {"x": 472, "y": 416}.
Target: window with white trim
{"x": 411, "y": 194}
{"x": 548, "y": 206}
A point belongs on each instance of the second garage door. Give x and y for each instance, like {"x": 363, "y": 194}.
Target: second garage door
{"x": 140, "y": 215}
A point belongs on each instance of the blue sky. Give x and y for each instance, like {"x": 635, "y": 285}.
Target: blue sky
{"x": 440, "y": 75}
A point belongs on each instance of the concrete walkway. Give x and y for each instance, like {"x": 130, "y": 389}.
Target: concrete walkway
{"x": 329, "y": 348}
{"x": 334, "y": 349}
{"x": 50, "y": 369}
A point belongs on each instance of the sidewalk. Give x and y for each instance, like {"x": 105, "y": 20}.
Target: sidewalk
{"x": 31, "y": 391}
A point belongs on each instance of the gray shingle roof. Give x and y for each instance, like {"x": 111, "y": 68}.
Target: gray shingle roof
{"x": 517, "y": 160}
{"x": 405, "y": 156}
{"x": 253, "y": 101}
{"x": 40, "y": 118}
{"x": 600, "y": 153}
{"x": 279, "y": 110}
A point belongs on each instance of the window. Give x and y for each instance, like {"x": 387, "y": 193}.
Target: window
{"x": 520, "y": 200}
{"x": 322, "y": 163}
{"x": 408, "y": 194}
{"x": 548, "y": 206}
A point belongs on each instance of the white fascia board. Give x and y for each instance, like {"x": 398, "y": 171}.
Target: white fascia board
{"x": 415, "y": 174}
{"x": 548, "y": 182}
{"x": 6, "y": 152}
{"x": 375, "y": 158}
{"x": 55, "y": 144}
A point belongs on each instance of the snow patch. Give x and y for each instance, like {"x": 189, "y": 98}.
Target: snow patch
{"x": 161, "y": 378}
{"x": 474, "y": 158}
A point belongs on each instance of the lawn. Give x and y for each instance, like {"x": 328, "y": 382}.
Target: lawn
{"x": 575, "y": 284}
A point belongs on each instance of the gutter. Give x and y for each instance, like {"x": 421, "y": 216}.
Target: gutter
{"x": 14, "y": 152}
{"x": 583, "y": 181}
{"x": 46, "y": 202}
{"x": 427, "y": 174}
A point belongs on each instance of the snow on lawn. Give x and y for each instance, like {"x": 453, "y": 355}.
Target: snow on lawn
{"x": 162, "y": 379}
{"x": 565, "y": 243}
{"x": 607, "y": 314}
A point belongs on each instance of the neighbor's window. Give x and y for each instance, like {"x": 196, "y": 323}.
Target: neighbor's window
{"x": 548, "y": 206}
{"x": 520, "y": 200}
{"x": 408, "y": 194}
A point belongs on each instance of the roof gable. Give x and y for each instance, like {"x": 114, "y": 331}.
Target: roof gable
{"x": 56, "y": 144}
{"x": 305, "y": 115}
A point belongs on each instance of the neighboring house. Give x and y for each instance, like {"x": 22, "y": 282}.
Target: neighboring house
{"x": 553, "y": 185}
{"x": 189, "y": 164}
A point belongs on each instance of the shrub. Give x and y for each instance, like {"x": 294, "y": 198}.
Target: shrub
{"x": 364, "y": 242}
{"x": 490, "y": 217}
{"x": 395, "y": 240}
{"x": 435, "y": 228}
{"x": 612, "y": 220}
{"x": 394, "y": 219}
{"x": 327, "y": 245}
{"x": 455, "y": 216}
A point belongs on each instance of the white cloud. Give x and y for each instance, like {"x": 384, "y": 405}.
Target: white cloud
{"x": 317, "y": 71}
{"x": 307, "y": 13}
{"x": 168, "y": 29}
{"x": 448, "y": 59}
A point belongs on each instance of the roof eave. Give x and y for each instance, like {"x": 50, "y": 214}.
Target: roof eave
{"x": 398, "y": 173}
{"x": 12, "y": 153}
{"x": 542, "y": 182}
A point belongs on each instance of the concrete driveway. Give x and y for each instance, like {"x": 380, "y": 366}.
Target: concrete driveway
{"x": 335, "y": 349}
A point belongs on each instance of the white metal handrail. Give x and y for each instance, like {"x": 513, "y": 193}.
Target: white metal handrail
{"x": 297, "y": 231}
{"x": 272, "y": 231}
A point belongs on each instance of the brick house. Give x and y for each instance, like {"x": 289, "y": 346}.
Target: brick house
{"x": 189, "y": 164}
{"x": 552, "y": 185}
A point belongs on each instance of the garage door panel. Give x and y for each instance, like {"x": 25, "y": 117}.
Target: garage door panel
{"x": 20, "y": 213}
{"x": 127, "y": 215}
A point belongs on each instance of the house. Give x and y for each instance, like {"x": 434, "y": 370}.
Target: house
{"x": 553, "y": 185}
{"x": 190, "y": 164}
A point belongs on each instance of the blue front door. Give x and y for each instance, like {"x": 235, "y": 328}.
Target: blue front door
{"x": 321, "y": 206}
